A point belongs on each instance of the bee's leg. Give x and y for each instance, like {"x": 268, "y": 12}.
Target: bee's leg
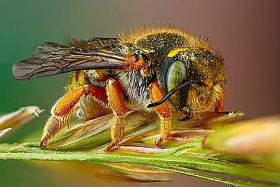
{"x": 62, "y": 110}
{"x": 61, "y": 113}
{"x": 115, "y": 94}
{"x": 220, "y": 103}
{"x": 163, "y": 112}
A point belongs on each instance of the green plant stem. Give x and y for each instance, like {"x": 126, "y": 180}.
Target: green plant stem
{"x": 212, "y": 178}
{"x": 190, "y": 162}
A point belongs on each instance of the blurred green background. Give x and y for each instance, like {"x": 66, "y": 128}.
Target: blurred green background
{"x": 246, "y": 31}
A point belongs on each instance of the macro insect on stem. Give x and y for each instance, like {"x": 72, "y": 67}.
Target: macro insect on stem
{"x": 153, "y": 69}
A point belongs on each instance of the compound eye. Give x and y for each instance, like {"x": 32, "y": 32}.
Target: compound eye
{"x": 176, "y": 75}
{"x": 135, "y": 61}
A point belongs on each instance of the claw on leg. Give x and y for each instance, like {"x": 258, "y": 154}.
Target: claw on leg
{"x": 53, "y": 125}
{"x": 117, "y": 131}
{"x": 165, "y": 131}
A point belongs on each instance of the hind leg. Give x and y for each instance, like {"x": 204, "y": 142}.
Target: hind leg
{"x": 65, "y": 107}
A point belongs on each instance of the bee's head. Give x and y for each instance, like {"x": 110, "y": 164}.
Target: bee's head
{"x": 189, "y": 68}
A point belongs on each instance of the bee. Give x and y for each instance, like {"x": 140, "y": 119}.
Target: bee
{"x": 152, "y": 69}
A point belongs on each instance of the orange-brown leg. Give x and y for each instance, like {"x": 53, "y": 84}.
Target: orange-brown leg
{"x": 220, "y": 103}
{"x": 61, "y": 113}
{"x": 163, "y": 112}
{"x": 62, "y": 110}
{"x": 115, "y": 94}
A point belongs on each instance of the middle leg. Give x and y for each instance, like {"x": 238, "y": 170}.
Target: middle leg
{"x": 115, "y": 94}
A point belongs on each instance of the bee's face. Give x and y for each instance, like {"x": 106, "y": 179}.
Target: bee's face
{"x": 174, "y": 59}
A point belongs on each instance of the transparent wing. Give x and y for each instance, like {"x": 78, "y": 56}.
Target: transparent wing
{"x": 52, "y": 59}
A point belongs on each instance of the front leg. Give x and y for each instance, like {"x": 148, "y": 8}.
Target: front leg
{"x": 115, "y": 94}
{"x": 220, "y": 101}
{"x": 163, "y": 112}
